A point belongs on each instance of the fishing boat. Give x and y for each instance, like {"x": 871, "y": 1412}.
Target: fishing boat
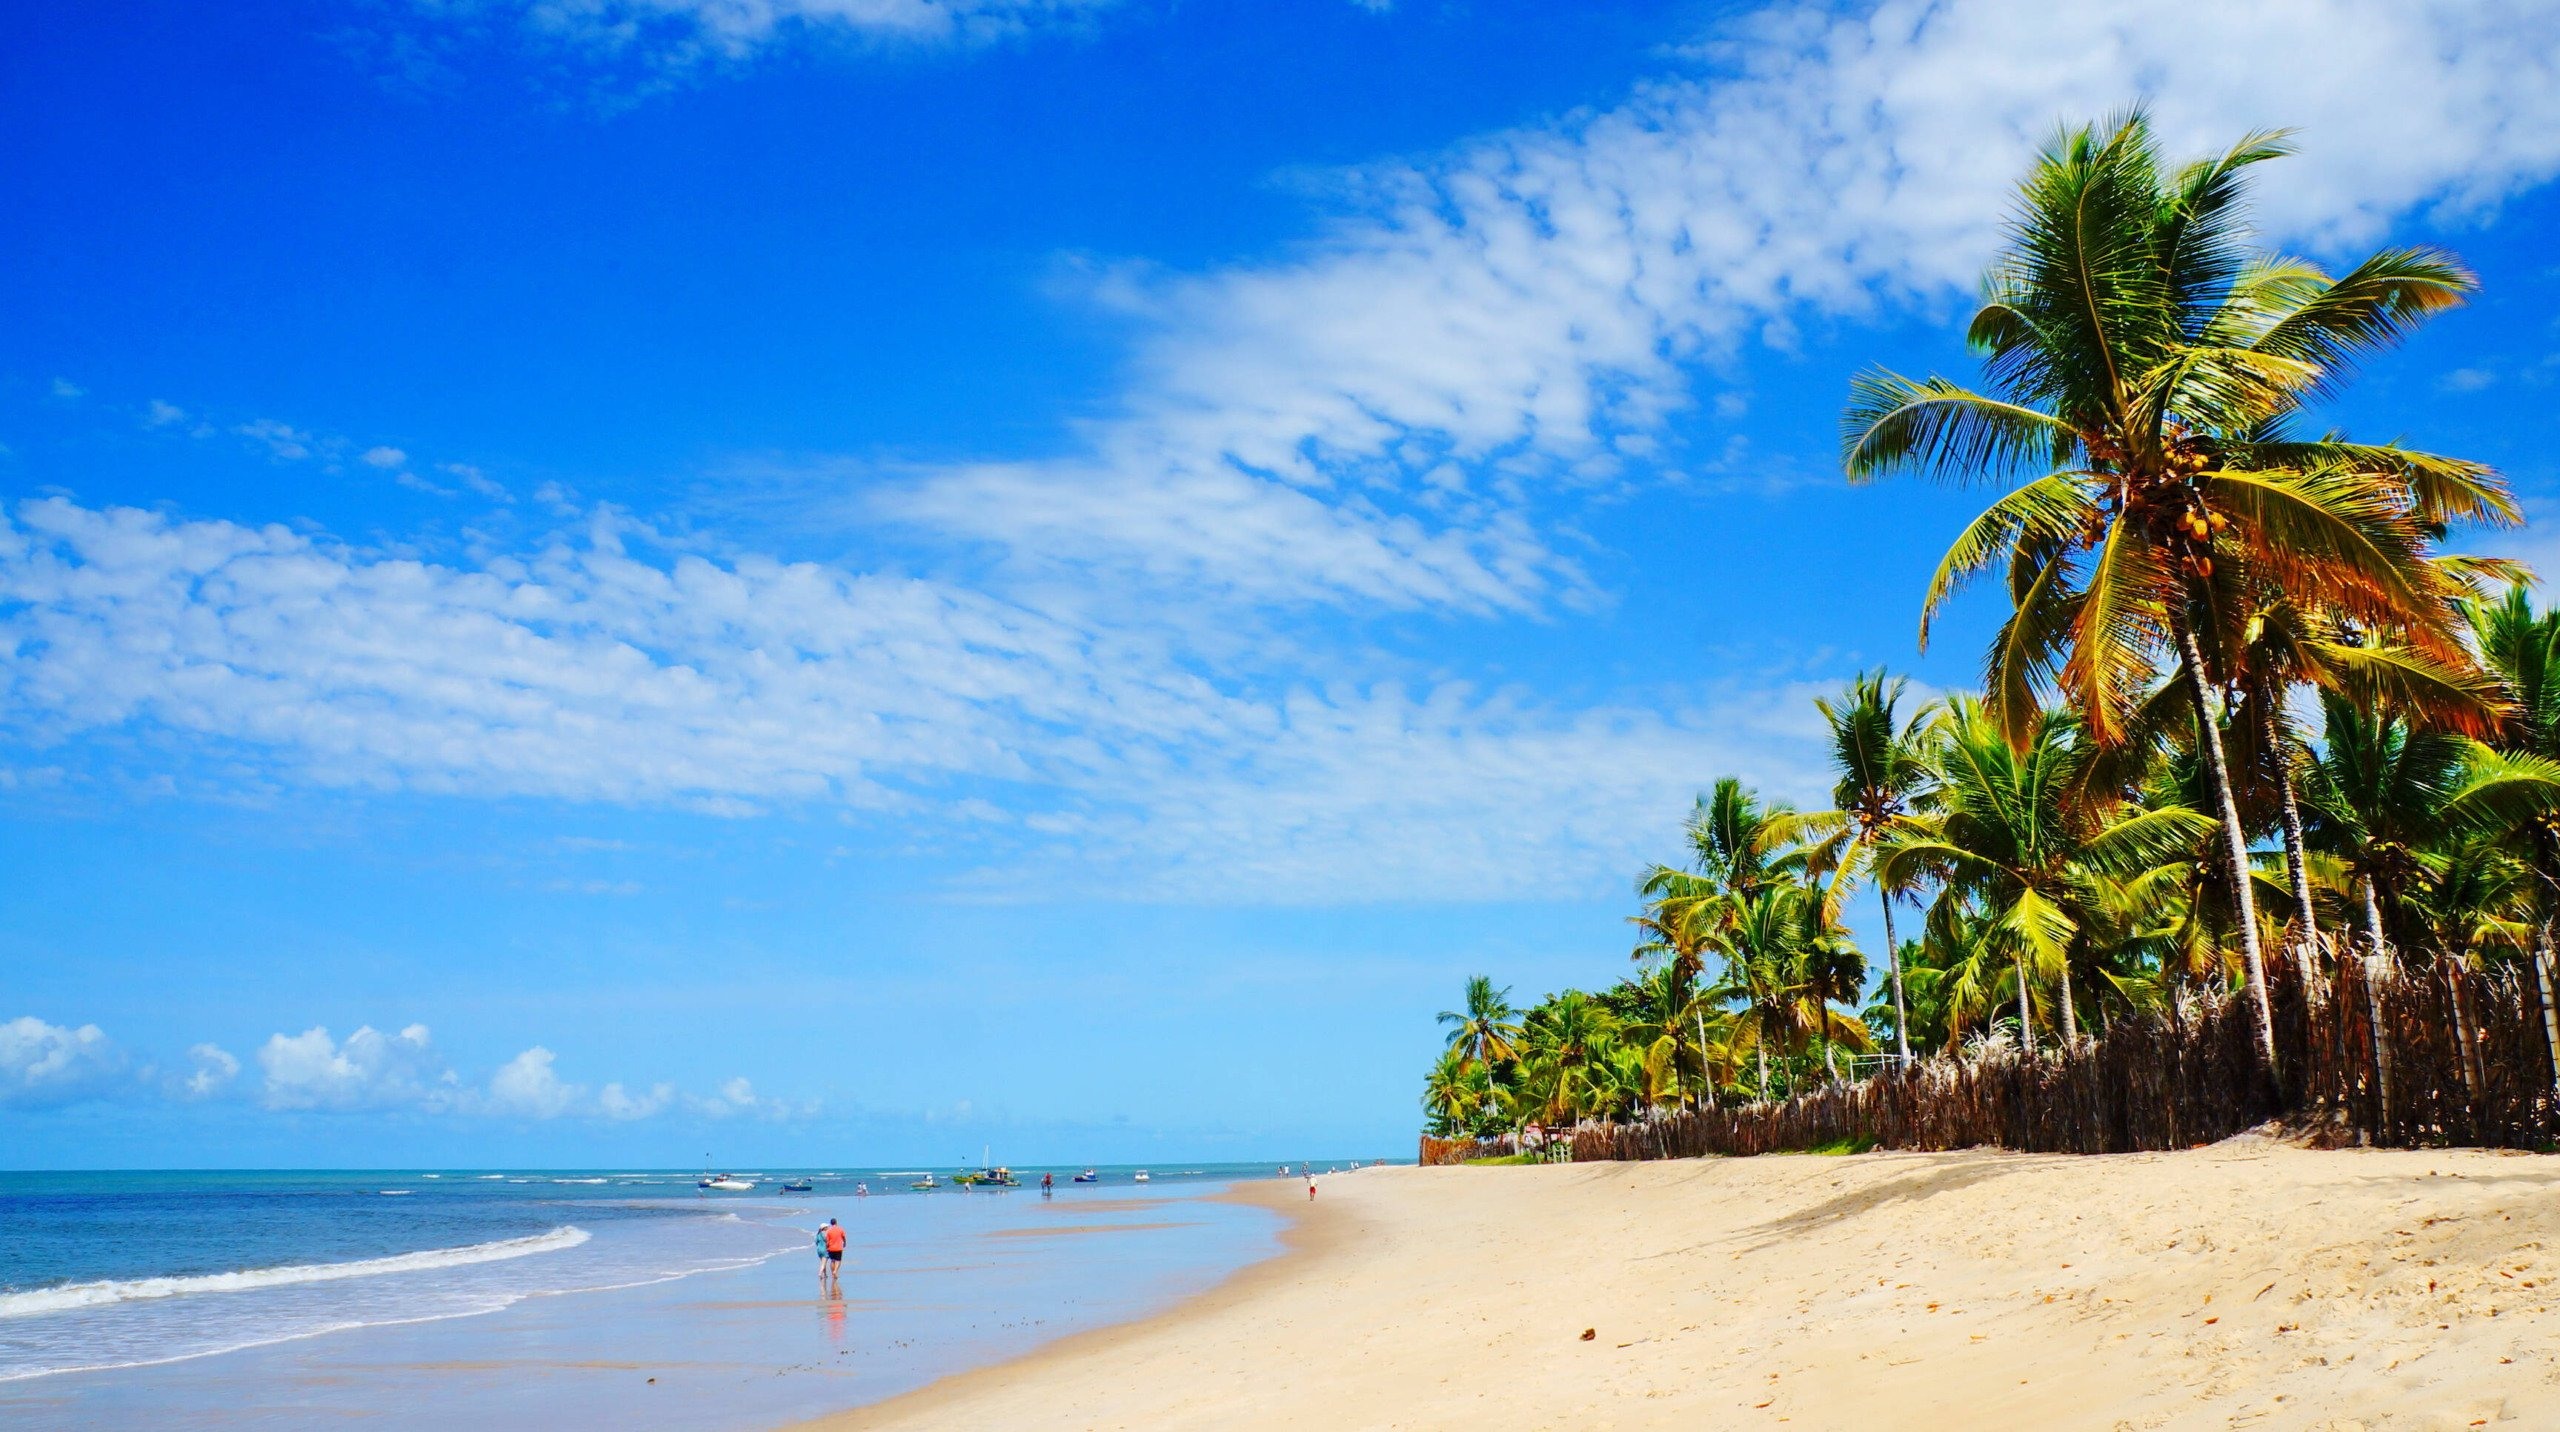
{"x": 1088, "y": 1176}
{"x": 987, "y": 1178}
{"x": 800, "y": 1185}
{"x": 925, "y": 1182}
{"x": 1139, "y": 1177}
{"x": 725, "y": 1183}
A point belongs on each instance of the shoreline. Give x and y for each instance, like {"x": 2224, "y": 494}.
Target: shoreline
{"x": 1301, "y": 1237}
{"x": 2251, "y": 1282}
{"x": 655, "y": 1321}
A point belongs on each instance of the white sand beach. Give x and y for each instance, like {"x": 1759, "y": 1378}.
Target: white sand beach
{"x": 2249, "y": 1284}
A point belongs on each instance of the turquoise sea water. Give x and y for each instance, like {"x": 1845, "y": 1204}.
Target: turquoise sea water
{"x": 555, "y": 1297}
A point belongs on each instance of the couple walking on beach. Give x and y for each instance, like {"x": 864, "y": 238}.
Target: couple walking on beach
{"x": 831, "y": 1259}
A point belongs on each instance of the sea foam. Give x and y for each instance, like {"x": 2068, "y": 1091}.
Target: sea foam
{"x": 132, "y": 1290}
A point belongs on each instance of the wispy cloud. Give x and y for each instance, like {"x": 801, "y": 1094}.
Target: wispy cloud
{"x": 1377, "y": 416}
{"x": 1394, "y": 417}
{"x": 673, "y": 35}
{"x": 331, "y": 452}
{"x": 604, "y": 666}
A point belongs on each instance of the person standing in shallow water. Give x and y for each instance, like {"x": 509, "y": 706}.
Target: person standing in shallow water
{"x": 834, "y": 1236}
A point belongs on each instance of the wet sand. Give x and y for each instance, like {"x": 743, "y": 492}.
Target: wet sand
{"x": 2250, "y": 1284}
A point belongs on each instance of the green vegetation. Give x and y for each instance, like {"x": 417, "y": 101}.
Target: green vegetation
{"x": 2132, "y": 807}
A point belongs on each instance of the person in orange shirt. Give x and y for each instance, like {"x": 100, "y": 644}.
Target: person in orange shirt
{"x": 835, "y": 1257}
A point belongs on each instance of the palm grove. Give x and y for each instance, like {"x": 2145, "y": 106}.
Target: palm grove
{"x": 2244, "y": 708}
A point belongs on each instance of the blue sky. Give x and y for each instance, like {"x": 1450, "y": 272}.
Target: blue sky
{"x": 602, "y": 581}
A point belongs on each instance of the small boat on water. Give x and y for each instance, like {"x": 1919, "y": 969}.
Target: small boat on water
{"x": 1139, "y": 1177}
{"x": 800, "y": 1185}
{"x": 998, "y": 1177}
{"x": 1088, "y": 1176}
{"x": 725, "y": 1183}
{"x": 925, "y": 1182}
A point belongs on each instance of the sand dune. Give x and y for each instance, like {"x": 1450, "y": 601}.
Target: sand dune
{"x": 2250, "y": 1284}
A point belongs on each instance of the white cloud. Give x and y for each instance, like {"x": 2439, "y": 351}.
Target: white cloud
{"x": 371, "y": 1070}
{"x": 683, "y": 32}
{"x": 67, "y": 390}
{"x": 1381, "y": 420}
{"x": 600, "y": 669}
{"x": 1380, "y": 794}
{"x": 578, "y": 671}
{"x": 1366, "y": 420}
{"x": 44, "y": 1065}
{"x": 215, "y": 1068}
{"x": 738, "y": 1099}
{"x": 614, "y": 1102}
{"x": 476, "y": 480}
{"x": 384, "y": 457}
{"x": 162, "y": 413}
{"x": 2467, "y": 380}
{"x": 283, "y": 440}
{"x": 527, "y": 1086}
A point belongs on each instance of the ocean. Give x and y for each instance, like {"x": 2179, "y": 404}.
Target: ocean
{"x": 563, "y": 1298}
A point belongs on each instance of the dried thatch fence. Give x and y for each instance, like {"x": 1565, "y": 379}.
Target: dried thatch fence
{"x": 2430, "y": 1057}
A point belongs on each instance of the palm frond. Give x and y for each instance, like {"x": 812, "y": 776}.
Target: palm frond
{"x": 1938, "y": 429}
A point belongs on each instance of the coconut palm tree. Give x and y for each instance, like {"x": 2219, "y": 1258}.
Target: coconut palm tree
{"x": 1786, "y": 963}
{"x": 2377, "y": 802}
{"x": 1486, "y": 1032}
{"x": 1677, "y": 1029}
{"x": 2280, "y": 642}
{"x": 1487, "y": 1029}
{"x": 2144, "y": 372}
{"x": 1449, "y": 1099}
{"x": 1878, "y": 756}
{"x": 1566, "y": 1047}
{"x": 1677, "y": 923}
{"x": 2522, "y": 646}
{"x": 2006, "y": 838}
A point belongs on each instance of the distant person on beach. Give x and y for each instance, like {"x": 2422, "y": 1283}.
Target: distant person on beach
{"x": 1048, "y": 1181}
{"x": 1311, "y": 1183}
{"x": 834, "y": 1237}
{"x": 820, "y": 1243}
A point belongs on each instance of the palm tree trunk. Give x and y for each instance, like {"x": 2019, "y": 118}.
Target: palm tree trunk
{"x": 2306, "y": 927}
{"x": 2377, "y": 963}
{"x": 1893, "y": 962}
{"x": 1706, "y": 1076}
{"x": 1763, "y": 1052}
{"x": 2070, "y": 1016}
{"x": 2026, "y": 1020}
{"x": 2466, "y": 1049}
{"x": 2542, "y": 960}
{"x": 2235, "y": 845}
